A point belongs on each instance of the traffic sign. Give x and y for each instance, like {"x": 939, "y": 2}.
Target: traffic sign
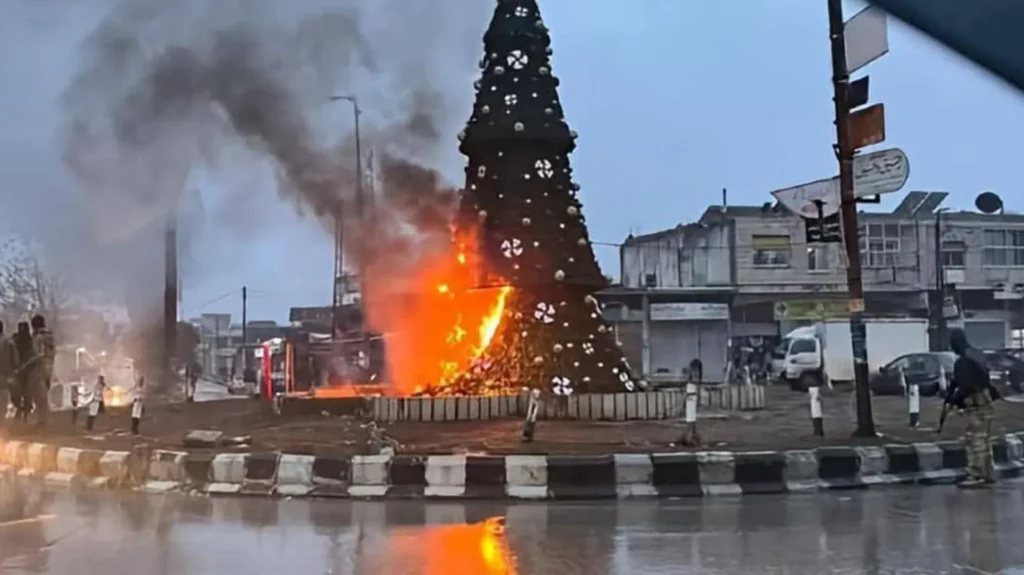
{"x": 818, "y": 202}
{"x": 880, "y": 173}
{"x": 867, "y": 38}
{"x": 866, "y": 127}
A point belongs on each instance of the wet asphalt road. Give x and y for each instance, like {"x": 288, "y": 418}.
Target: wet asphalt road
{"x": 899, "y": 531}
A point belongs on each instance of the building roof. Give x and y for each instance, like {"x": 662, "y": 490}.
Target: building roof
{"x": 930, "y": 204}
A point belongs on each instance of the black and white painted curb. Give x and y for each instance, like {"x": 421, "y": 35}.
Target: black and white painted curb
{"x": 686, "y": 474}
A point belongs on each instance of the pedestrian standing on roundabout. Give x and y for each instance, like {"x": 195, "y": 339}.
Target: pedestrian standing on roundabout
{"x": 972, "y": 392}
{"x": 25, "y": 349}
{"x": 8, "y": 365}
{"x": 40, "y": 375}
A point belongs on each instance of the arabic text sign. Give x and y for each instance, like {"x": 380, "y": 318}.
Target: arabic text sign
{"x": 880, "y": 172}
{"x": 876, "y": 173}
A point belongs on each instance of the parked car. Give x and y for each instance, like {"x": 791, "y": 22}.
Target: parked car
{"x": 922, "y": 368}
{"x": 1006, "y": 369}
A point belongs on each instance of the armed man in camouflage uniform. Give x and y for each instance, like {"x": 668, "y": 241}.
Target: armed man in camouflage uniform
{"x": 8, "y": 365}
{"x": 972, "y": 391}
{"x": 40, "y": 374}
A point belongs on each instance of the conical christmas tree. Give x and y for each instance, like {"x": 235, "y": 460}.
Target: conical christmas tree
{"x": 521, "y": 202}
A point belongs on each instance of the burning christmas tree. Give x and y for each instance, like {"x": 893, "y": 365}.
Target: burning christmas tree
{"x": 521, "y": 205}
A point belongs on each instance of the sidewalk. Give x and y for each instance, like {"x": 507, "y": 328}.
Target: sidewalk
{"x": 784, "y": 425}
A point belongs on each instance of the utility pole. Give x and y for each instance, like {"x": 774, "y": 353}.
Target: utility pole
{"x": 170, "y": 319}
{"x": 941, "y": 340}
{"x": 848, "y": 213}
{"x": 245, "y": 333}
{"x": 339, "y": 253}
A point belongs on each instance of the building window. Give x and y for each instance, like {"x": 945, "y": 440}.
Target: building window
{"x": 771, "y": 251}
{"x": 1003, "y": 248}
{"x": 817, "y": 258}
{"x": 880, "y": 245}
{"x": 1017, "y": 338}
{"x": 953, "y": 254}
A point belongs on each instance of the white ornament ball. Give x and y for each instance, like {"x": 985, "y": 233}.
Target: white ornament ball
{"x": 544, "y": 71}
{"x": 572, "y": 210}
{"x": 601, "y": 329}
{"x": 582, "y": 242}
{"x": 527, "y": 221}
{"x": 519, "y": 315}
{"x": 486, "y": 109}
{"x": 499, "y": 70}
{"x": 538, "y": 360}
{"x": 482, "y": 214}
{"x": 590, "y": 300}
{"x": 462, "y": 136}
{"x": 559, "y": 275}
{"x": 549, "y": 111}
{"x": 558, "y": 348}
{"x": 519, "y": 127}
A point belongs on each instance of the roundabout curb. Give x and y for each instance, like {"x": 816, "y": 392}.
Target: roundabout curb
{"x": 522, "y": 477}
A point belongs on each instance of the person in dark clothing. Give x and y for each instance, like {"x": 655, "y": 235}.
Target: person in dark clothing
{"x": 972, "y": 391}
{"x": 25, "y": 347}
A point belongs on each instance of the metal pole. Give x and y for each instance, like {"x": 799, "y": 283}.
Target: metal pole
{"x": 940, "y": 288}
{"x": 339, "y": 255}
{"x": 170, "y": 323}
{"x": 245, "y": 332}
{"x": 844, "y": 153}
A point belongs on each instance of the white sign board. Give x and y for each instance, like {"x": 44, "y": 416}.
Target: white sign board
{"x": 867, "y": 38}
{"x": 803, "y": 199}
{"x": 873, "y": 174}
{"x": 881, "y": 172}
{"x": 689, "y": 311}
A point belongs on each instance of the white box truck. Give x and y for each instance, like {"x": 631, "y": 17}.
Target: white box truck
{"x": 823, "y": 353}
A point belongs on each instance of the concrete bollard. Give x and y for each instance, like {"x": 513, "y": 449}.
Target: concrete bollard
{"x": 530, "y": 423}
{"x": 690, "y": 437}
{"x": 747, "y": 380}
{"x": 913, "y": 400}
{"x": 137, "y": 404}
{"x": 76, "y": 393}
{"x": 94, "y": 411}
{"x": 943, "y": 379}
{"x": 817, "y": 421}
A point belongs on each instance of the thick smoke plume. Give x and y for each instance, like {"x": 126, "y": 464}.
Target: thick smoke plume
{"x": 172, "y": 92}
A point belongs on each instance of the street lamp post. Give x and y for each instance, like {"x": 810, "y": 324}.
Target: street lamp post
{"x": 339, "y": 253}
{"x": 941, "y": 340}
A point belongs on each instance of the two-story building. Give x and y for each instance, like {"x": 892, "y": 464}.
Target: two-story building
{"x": 745, "y": 275}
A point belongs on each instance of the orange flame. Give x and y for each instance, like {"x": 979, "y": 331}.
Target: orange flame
{"x": 437, "y": 319}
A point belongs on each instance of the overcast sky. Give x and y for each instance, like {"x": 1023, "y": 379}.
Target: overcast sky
{"x": 673, "y": 100}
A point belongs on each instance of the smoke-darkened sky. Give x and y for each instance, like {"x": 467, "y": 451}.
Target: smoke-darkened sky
{"x": 659, "y": 93}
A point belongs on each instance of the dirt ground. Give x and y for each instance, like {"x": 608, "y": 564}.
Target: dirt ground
{"x": 784, "y": 425}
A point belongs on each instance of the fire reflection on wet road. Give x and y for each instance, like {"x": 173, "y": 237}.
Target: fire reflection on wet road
{"x": 934, "y": 530}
